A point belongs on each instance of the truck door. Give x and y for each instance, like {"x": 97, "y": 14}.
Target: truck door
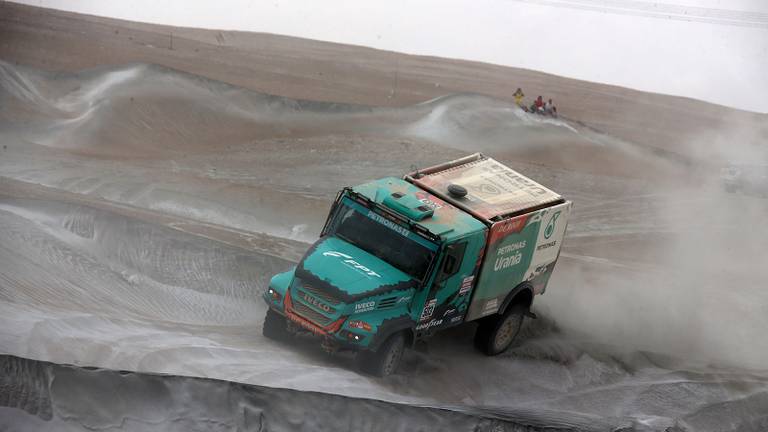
{"x": 448, "y": 297}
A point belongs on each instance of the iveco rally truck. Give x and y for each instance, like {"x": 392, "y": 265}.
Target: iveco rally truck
{"x": 400, "y": 259}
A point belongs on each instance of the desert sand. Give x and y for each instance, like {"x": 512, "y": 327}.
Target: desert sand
{"x": 152, "y": 179}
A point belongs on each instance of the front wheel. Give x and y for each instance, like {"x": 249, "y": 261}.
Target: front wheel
{"x": 494, "y": 335}
{"x": 386, "y": 359}
{"x": 275, "y": 326}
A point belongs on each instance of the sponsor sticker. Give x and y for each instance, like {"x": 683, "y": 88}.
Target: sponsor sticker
{"x": 511, "y": 247}
{"x": 550, "y": 229}
{"x": 513, "y": 225}
{"x": 466, "y": 285}
{"x": 491, "y": 306}
{"x": 350, "y": 262}
{"x": 429, "y": 309}
{"x": 389, "y": 224}
{"x": 430, "y": 200}
{"x": 365, "y": 307}
{"x": 546, "y": 245}
{"x": 507, "y": 261}
{"x": 426, "y": 325}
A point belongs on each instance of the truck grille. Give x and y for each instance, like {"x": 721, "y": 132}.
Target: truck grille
{"x": 387, "y": 303}
{"x": 319, "y": 293}
{"x": 311, "y": 314}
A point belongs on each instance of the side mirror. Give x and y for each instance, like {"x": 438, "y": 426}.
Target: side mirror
{"x": 450, "y": 265}
{"x": 452, "y": 261}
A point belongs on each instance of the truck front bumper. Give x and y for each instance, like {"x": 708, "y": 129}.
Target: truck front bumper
{"x": 334, "y": 338}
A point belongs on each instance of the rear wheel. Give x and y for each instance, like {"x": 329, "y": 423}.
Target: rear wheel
{"x": 275, "y": 326}
{"x": 495, "y": 335}
{"x": 386, "y": 359}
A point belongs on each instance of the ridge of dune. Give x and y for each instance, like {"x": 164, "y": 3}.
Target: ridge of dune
{"x": 306, "y": 69}
{"x": 148, "y": 111}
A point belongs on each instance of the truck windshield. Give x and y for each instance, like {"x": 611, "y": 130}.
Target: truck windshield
{"x": 383, "y": 238}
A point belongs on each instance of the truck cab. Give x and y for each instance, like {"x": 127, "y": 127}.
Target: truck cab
{"x": 399, "y": 259}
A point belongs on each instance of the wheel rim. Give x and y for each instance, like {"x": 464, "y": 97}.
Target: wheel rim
{"x": 505, "y": 334}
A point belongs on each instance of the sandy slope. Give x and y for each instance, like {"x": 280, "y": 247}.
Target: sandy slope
{"x": 142, "y": 209}
{"x": 143, "y": 252}
{"x": 304, "y": 69}
{"x": 57, "y": 397}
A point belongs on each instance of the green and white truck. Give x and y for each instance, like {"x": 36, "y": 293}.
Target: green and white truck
{"x": 398, "y": 260}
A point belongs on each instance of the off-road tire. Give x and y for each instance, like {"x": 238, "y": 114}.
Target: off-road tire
{"x": 386, "y": 359}
{"x": 495, "y": 334}
{"x": 275, "y": 326}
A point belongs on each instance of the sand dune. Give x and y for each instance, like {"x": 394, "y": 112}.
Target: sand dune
{"x": 148, "y": 192}
{"x": 125, "y": 260}
{"x": 147, "y": 111}
{"x": 305, "y": 69}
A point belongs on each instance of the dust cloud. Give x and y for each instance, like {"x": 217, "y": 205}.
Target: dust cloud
{"x": 687, "y": 279}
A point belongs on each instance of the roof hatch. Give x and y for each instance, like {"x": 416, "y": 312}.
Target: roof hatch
{"x": 407, "y": 205}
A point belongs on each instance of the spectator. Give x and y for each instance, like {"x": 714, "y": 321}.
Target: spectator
{"x": 549, "y": 108}
{"x": 518, "y": 95}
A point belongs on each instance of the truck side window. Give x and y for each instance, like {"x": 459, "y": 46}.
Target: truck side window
{"x": 452, "y": 261}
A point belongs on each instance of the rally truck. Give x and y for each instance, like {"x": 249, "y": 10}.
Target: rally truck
{"x": 400, "y": 259}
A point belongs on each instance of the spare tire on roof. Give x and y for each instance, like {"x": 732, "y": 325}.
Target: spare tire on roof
{"x": 457, "y": 190}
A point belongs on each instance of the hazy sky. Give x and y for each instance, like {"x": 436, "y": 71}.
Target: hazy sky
{"x": 714, "y": 50}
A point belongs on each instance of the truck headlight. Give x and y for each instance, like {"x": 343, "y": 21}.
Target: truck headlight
{"x": 274, "y": 295}
{"x": 352, "y": 337}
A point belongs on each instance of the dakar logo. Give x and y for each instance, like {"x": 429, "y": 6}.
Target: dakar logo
{"x": 550, "y": 229}
{"x": 349, "y": 261}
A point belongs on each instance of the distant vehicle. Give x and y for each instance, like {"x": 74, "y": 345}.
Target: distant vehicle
{"x": 401, "y": 259}
{"x": 746, "y": 179}
{"x": 551, "y": 112}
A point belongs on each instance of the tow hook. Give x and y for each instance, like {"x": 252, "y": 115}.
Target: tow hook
{"x": 530, "y": 314}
